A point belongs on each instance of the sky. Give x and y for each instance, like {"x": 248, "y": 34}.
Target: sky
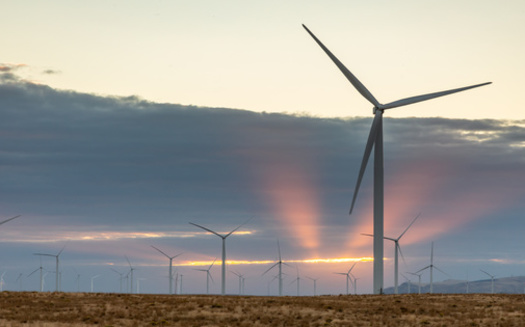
{"x": 124, "y": 121}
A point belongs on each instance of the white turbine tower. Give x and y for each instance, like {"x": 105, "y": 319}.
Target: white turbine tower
{"x": 375, "y": 140}
{"x": 397, "y": 252}
{"x": 208, "y": 276}
{"x": 41, "y": 275}
{"x": 92, "y": 280}
{"x": 57, "y": 271}
{"x": 223, "y": 237}
{"x": 431, "y": 267}
{"x": 347, "y": 274}
{"x": 170, "y": 267}
{"x": 280, "y": 265}
{"x": 2, "y": 282}
{"x": 315, "y": 284}
{"x": 491, "y": 278}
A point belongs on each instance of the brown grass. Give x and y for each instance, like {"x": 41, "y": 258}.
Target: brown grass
{"x": 88, "y": 309}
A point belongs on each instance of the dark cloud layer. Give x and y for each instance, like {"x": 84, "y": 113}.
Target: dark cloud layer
{"x": 82, "y": 161}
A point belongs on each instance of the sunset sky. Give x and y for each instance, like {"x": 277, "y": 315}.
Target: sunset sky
{"x": 123, "y": 121}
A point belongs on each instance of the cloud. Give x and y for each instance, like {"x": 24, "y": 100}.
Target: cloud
{"x": 125, "y": 166}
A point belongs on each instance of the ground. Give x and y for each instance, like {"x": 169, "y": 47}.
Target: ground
{"x": 88, "y": 309}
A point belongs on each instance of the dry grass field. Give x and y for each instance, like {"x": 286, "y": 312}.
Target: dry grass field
{"x": 88, "y": 309}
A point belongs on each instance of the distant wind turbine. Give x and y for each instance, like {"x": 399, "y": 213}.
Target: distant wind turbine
{"x": 418, "y": 283}
{"x": 223, "y": 276}
{"x": 315, "y": 284}
{"x": 241, "y": 281}
{"x": 431, "y": 267}
{"x": 397, "y": 251}
{"x": 297, "y": 280}
{"x": 208, "y": 276}
{"x": 41, "y": 275}
{"x": 347, "y": 274}
{"x": 78, "y": 280}
{"x": 375, "y": 139}
{"x": 170, "y": 267}
{"x": 2, "y": 282}
{"x": 408, "y": 282}
{"x": 57, "y": 271}
{"x": 121, "y": 277}
{"x": 280, "y": 265}
{"x": 492, "y": 281}
{"x": 19, "y": 278}
{"x": 131, "y": 269}
{"x": 92, "y": 280}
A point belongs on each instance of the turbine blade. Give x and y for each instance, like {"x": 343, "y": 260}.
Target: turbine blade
{"x": 238, "y": 227}
{"x": 441, "y": 271}
{"x": 61, "y": 250}
{"x": 408, "y": 227}
{"x": 401, "y": 253}
{"x": 5, "y": 221}
{"x": 176, "y": 255}
{"x": 37, "y": 269}
{"x": 212, "y": 263}
{"x": 355, "y": 82}
{"x": 129, "y": 263}
{"x": 371, "y": 235}
{"x": 486, "y": 273}
{"x": 211, "y": 277}
{"x": 368, "y": 150}
{"x": 420, "y": 270}
{"x": 161, "y": 251}
{"x": 207, "y": 229}
{"x": 267, "y": 270}
{"x": 425, "y": 97}
{"x": 279, "y": 249}
{"x": 355, "y": 263}
{"x": 45, "y": 254}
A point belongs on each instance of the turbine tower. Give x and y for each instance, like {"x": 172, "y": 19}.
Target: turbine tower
{"x": 418, "y": 281}
{"x": 397, "y": 251}
{"x": 57, "y": 263}
{"x": 92, "y": 279}
{"x": 170, "y": 267}
{"x": 223, "y": 277}
{"x": 375, "y": 140}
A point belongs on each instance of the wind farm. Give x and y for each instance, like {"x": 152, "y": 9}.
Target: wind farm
{"x": 130, "y": 180}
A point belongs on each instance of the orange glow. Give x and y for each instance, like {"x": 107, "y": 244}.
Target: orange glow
{"x": 51, "y": 236}
{"x": 286, "y": 178}
{"x": 265, "y": 262}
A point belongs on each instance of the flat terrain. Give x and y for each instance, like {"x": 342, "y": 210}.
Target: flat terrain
{"x": 88, "y": 309}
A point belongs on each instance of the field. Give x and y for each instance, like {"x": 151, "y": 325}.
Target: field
{"x": 88, "y": 309}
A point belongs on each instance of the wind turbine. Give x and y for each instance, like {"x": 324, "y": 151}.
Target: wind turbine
{"x": 397, "y": 251}
{"x": 57, "y": 262}
{"x": 347, "y": 274}
{"x": 138, "y": 284}
{"x": 431, "y": 267}
{"x": 208, "y": 276}
{"x": 418, "y": 283}
{"x": 408, "y": 282}
{"x": 297, "y": 280}
{"x": 78, "y": 280}
{"x": 41, "y": 275}
{"x": 19, "y": 278}
{"x": 375, "y": 139}
{"x": 280, "y": 265}
{"x": 315, "y": 284}
{"x": 223, "y": 276}
{"x": 130, "y": 275}
{"x": 241, "y": 281}
{"x": 120, "y": 278}
{"x": 170, "y": 267}
{"x": 5, "y": 221}
{"x": 92, "y": 279}
{"x": 491, "y": 277}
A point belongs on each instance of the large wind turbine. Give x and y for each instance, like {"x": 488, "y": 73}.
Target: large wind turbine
{"x": 375, "y": 139}
{"x": 347, "y": 274}
{"x": 492, "y": 280}
{"x": 171, "y": 265}
{"x": 130, "y": 275}
{"x": 397, "y": 251}
{"x": 57, "y": 262}
{"x": 208, "y": 276}
{"x": 280, "y": 265}
{"x": 418, "y": 282}
{"x": 223, "y": 277}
